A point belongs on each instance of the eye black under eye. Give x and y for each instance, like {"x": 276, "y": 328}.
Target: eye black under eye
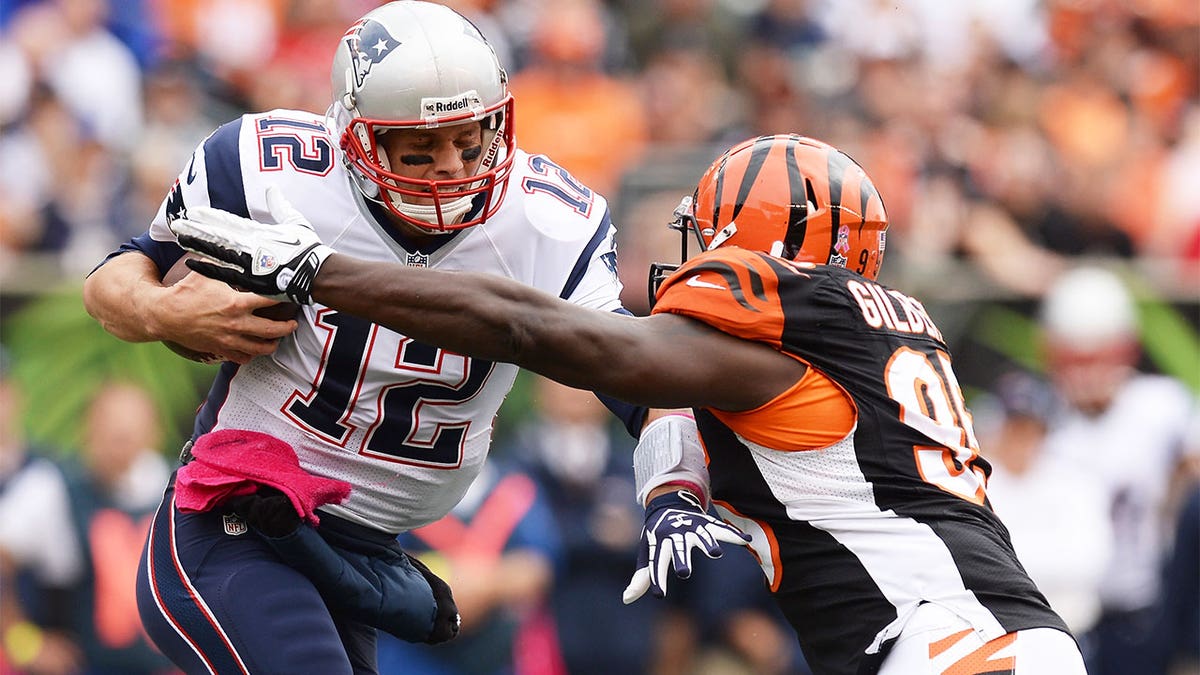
{"x": 472, "y": 154}
{"x": 416, "y": 160}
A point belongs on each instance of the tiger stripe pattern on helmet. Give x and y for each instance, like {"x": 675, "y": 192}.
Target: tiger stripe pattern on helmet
{"x": 796, "y": 198}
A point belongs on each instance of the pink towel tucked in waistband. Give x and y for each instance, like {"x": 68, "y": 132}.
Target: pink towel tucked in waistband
{"x": 233, "y": 462}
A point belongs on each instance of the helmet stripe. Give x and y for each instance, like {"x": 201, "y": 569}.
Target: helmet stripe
{"x": 716, "y": 216}
{"x": 797, "y": 227}
{"x": 866, "y": 190}
{"x": 838, "y": 164}
{"x": 758, "y": 157}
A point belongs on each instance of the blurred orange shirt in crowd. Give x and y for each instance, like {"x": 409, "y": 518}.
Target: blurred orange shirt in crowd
{"x": 591, "y": 125}
{"x": 567, "y": 107}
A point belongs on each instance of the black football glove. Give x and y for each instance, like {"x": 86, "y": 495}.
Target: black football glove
{"x": 279, "y": 261}
{"x": 269, "y": 511}
{"x": 447, "y": 621}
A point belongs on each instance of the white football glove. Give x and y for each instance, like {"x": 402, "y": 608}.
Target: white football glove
{"x": 279, "y": 261}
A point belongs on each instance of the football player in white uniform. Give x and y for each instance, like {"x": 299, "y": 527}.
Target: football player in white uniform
{"x": 414, "y": 162}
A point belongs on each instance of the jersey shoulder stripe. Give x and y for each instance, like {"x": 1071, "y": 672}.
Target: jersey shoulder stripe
{"x": 734, "y": 290}
{"x": 604, "y": 232}
{"x": 223, "y": 169}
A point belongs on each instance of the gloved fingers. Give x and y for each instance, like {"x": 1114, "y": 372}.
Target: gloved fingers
{"x": 660, "y": 570}
{"x": 214, "y": 254}
{"x": 729, "y": 534}
{"x": 197, "y": 236}
{"x": 217, "y": 271}
{"x": 638, "y": 585}
{"x": 681, "y": 551}
{"x": 228, "y": 222}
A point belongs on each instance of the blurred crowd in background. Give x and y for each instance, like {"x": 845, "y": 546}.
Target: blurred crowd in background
{"x": 1013, "y": 141}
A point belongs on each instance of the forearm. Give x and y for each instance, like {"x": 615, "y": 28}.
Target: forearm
{"x": 498, "y": 319}
{"x": 122, "y": 294}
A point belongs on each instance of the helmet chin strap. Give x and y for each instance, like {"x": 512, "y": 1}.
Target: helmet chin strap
{"x": 452, "y": 212}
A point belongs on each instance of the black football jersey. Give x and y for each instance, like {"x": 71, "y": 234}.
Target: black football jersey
{"x": 862, "y": 485}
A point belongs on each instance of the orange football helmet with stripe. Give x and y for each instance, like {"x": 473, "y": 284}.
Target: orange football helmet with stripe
{"x": 790, "y": 196}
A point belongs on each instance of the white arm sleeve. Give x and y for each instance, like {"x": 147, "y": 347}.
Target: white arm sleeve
{"x": 669, "y": 450}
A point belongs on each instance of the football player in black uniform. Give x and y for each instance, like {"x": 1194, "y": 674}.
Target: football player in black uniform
{"x": 829, "y": 416}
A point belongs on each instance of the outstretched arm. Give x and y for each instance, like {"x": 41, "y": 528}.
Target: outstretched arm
{"x": 662, "y": 361}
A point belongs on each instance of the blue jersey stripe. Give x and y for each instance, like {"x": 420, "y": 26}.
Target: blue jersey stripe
{"x": 163, "y": 253}
{"x": 585, "y": 258}
{"x": 223, "y": 168}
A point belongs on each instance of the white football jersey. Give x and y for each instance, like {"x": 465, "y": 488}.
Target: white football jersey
{"x": 1132, "y": 450}
{"x": 406, "y": 423}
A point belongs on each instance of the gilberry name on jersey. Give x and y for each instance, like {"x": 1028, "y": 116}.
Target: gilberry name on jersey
{"x": 884, "y": 308}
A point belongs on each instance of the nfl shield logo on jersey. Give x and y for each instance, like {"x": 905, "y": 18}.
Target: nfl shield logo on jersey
{"x": 234, "y": 525}
{"x": 417, "y": 260}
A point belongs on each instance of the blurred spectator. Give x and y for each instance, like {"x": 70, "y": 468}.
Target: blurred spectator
{"x": 583, "y": 461}
{"x": 90, "y": 70}
{"x": 723, "y": 620}
{"x": 233, "y": 37}
{"x": 485, "y": 14}
{"x": 176, "y": 122}
{"x": 113, "y": 493}
{"x": 687, "y": 100}
{"x": 571, "y": 109}
{"x": 645, "y": 238}
{"x": 1175, "y": 238}
{"x": 296, "y": 74}
{"x": 498, "y": 549}
{"x": 87, "y": 539}
{"x": 1064, "y": 543}
{"x": 1126, "y": 429}
{"x": 40, "y": 558}
{"x": 1177, "y": 643}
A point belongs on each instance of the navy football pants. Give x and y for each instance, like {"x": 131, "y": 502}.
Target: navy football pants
{"x": 222, "y": 602}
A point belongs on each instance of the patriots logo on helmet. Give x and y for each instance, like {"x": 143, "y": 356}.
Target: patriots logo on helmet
{"x": 369, "y": 43}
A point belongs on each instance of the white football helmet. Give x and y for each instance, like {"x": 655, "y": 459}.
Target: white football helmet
{"x": 412, "y": 65}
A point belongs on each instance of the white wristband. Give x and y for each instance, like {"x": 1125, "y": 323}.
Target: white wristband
{"x": 669, "y": 450}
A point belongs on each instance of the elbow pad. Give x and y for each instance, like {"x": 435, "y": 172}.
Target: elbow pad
{"x": 669, "y": 451}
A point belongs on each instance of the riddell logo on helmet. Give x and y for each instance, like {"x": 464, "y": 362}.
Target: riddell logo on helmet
{"x": 436, "y": 107}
